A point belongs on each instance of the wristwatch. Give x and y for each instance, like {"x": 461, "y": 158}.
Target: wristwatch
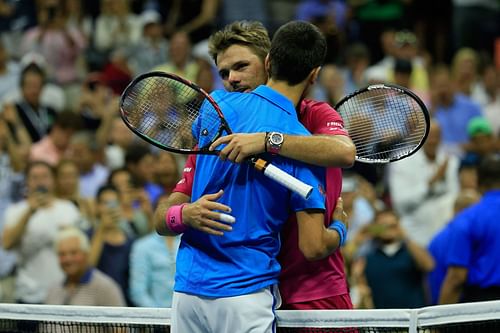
{"x": 274, "y": 142}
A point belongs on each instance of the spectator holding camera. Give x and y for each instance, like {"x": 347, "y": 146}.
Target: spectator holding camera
{"x": 30, "y": 228}
{"x": 59, "y": 44}
{"x": 110, "y": 242}
{"x": 135, "y": 206}
{"x": 393, "y": 259}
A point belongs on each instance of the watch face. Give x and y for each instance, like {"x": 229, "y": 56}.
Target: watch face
{"x": 276, "y": 138}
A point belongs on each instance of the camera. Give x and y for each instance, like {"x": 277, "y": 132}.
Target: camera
{"x": 41, "y": 189}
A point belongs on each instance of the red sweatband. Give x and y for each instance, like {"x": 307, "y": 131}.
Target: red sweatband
{"x": 173, "y": 219}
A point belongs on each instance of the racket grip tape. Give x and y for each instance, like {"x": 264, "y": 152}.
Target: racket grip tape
{"x": 284, "y": 178}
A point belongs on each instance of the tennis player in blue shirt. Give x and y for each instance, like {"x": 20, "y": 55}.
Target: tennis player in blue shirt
{"x": 228, "y": 283}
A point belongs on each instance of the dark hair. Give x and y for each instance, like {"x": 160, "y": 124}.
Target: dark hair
{"x": 32, "y": 68}
{"x": 489, "y": 171}
{"x": 105, "y": 188}
{"x": 68, "y": 120}
{"x": 36, "y": 163}
{"x": 296, "y": 49}
{"x": 135, "y": 153}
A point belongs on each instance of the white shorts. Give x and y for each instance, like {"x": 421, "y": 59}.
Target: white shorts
{"x": 252, "y": 313}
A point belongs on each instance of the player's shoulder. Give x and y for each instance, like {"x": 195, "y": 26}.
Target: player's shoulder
{"x": 312, "y": 106}
{"x": 220, "y": 95}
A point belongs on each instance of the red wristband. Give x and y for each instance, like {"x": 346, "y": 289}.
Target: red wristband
{"x": 173, "y": 219}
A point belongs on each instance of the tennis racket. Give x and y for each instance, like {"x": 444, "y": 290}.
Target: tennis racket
{"x": 176, "y": 115}
{"x": 386, "y": 122}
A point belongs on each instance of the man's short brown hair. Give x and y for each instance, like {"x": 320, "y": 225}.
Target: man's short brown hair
{"x": 247, "y": 33}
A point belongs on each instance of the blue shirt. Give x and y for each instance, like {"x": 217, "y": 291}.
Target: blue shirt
{"x": 473, "y": 243}
{"x": 244, "y": 259}
{"x": 152, "y": 271}
{"x": 438, "y": 248}
{"x": 453, "y": 120}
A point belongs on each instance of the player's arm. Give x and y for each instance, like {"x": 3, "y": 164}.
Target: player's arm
{"x": 317, "y": 241}
{"x": 202, "y": 214}
{"x": 199, "y": 214}
{"x": 321, "y": 150}
{"x": 329, "y": 147}
{"x": 453, "y": 283}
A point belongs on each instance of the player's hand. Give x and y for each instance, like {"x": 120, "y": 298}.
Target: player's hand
{"x": 202, "y": 215}
{"x": 339, "y": 214}
{"x": 239, "y": 146}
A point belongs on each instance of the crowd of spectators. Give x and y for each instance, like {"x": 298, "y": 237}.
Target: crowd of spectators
{"x": 78, "y": 189}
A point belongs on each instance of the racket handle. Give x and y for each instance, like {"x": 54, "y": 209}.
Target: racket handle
{"x": 285, "y": 179}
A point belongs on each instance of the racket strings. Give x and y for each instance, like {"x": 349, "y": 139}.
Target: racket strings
{"x": 166, "y": 110}
{"x": 383, "y": 123}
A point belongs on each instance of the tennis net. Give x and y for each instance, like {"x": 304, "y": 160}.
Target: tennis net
{"x": 457, "y": 318}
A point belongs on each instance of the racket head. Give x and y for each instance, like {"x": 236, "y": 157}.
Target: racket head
{"x": 386, "y": 122}
{"x": 172, "y": 113}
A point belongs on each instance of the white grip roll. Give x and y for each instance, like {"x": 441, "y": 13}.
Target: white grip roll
{"x": 288, "y": 181}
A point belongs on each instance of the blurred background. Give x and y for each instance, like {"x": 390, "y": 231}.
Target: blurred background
{"x": 64, "y": 63}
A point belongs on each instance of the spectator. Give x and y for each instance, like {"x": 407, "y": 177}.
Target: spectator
{"x": 307, "y": 10}
{"x": 59, "y": 44}
{"x": 181, "y": 61}
{"x": 30, "y": 228}
{"x": 110, "y": 243}
{"x": 394, "y": 260}
{"x": 10, "y": 169}
{"x": 68, "y": 188}
{"x": 120, "y": 138}
{"x": 152, "y": 49}
{"x": 36, "y": 117}
{"x": 465, "y": 71}
{"x": 116, "y": 26}
{"x": 117, "y": 73}
{"x": 417, "y": 199}
{"x": 482, "y": 141}
{"x": 467, "y": 175}
{"x": 97, "y": 106}
{"x": 166, "y": 171}
{"x": 9, "y": 72}
{"x": 141, "y": 164}
{"x": 52, "y": 147}
{"x": 85, "y": 152}
{"x": 473, "y": 272}
{"x": 83, "y": 284}
{"x": 357, "y": 59}
{"x": 136, "y": 209}
{"x": 452, "y": 110}
{"x": 195, "y": 17}
{"x": 373, "y": 18}
{"x": 488, "y": 95}
{"x": 152, "y": 270}
{"x": 438, "y": 247}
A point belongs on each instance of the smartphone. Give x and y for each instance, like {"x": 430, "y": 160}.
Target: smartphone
{"x": 41, "y": 189}
{"x": 112, "y": 204}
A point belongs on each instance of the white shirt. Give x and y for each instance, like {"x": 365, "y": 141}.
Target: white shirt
{"x": 423, "y": 210}
{"x": 38, "y": 266}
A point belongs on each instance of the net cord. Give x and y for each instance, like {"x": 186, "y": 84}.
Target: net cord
{"x": 405, "y": 318}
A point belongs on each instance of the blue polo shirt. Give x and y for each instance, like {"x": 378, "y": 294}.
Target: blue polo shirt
{"x": 454, "y": 119}
{"x": 438, "y": 248}
{"x": 473, "y": 241}
{"x": 244, "y": 259}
